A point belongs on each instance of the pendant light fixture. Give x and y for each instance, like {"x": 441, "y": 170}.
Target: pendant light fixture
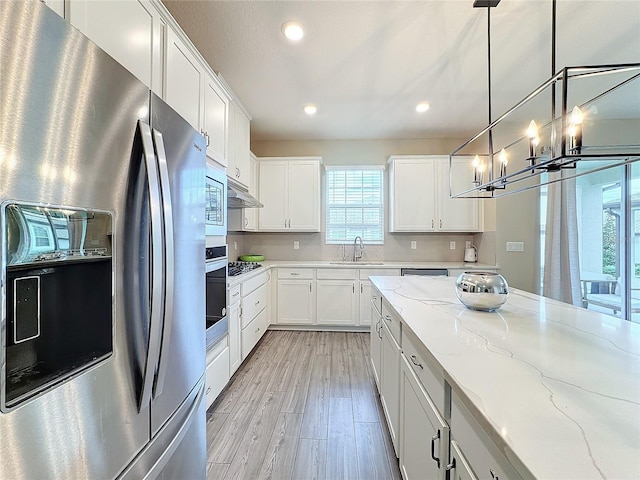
{"x": 580, "y": 130}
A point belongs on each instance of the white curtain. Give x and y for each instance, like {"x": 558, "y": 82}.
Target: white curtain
{"x": 561, "y": 264}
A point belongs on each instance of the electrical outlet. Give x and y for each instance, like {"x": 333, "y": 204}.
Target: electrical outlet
{"x": 467, "y": 244}
{"x": 414, "y": 244}
{"x": 452, "y": 245}
{"x": 515, "y": 246}
{"x": 235, "y": 245}
{"x": 296, "y": 245}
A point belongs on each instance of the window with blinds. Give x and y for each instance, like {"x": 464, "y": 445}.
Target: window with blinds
{"x": 354, "y": 204}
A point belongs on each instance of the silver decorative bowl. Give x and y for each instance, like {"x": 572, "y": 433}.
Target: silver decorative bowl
{"x": 485, "y": 291}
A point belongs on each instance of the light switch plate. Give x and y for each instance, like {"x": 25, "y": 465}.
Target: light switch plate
{"x": 515, "y": 246}
{"x": 452, "y": 245}
{"x": 414, "y": 244}
{"x": 296, "y": 245}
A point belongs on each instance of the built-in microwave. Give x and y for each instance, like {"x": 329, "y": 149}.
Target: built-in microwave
{"x": 216, "y": 202}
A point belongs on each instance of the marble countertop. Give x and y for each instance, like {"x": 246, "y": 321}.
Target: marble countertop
{"x": 555, "y": 385}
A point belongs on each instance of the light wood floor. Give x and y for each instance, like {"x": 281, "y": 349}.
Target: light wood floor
{"x": 303, "y": 406}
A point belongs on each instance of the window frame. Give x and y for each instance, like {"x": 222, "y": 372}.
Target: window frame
{"x": 328, "y": 206}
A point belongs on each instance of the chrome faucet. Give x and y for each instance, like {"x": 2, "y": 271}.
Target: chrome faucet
{"x": 357, "y": 255}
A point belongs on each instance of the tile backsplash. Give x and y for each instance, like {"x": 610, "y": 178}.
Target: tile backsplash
{"x": 430, "y": 247}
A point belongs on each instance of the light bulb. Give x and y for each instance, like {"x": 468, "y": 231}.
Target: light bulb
{"x": 422, "y": 107}
{"x": 310, "y": 109}
{"x": 502, "y": 156}
{"x": 476, "y": 161}
{"x": 532, "y": 131}
{"x": 576, "y": 116}
{"x": 293, "y": 31}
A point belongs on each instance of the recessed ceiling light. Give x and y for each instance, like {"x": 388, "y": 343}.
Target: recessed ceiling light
{"x": 293, "y": 31}
{"x": 310, "y": 109}
{"x": 422, "y": 107}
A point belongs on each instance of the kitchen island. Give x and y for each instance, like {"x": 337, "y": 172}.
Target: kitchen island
{"x": 553, "y": 390}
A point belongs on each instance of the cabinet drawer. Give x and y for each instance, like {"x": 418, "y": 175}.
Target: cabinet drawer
{"x": 482, "y": 454}
{"x": 234, "y": 295}
{"x": 365, "y": 273}
{"x": 336, "y": 274}
{"x": 252, "y": 283}
{"x": 297, "y": 273}
{"x": 253, "y": 304}
{"x": 253, "y": 332}
{"x": 391, "y": 320}
{"x": 217, "y": 375}
{"x": 426, "y": 370}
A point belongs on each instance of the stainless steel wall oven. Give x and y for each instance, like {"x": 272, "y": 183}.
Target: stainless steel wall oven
{"x": 216, "y": 276}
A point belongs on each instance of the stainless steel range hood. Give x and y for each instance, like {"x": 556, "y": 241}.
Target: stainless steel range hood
{"x": 239, "y": 197}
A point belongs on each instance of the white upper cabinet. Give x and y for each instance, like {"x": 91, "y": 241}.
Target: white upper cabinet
{"x": 131, "y": 32}
{"x": 56, "y": 5}
{"x": 289, "y": 188}
{"x": 239, "y": 169}
{"x": 419, "y": 196}
{"x": 196, "y": 94}
{"x": 183, "y": 80}
{"x": 215, "y": 125}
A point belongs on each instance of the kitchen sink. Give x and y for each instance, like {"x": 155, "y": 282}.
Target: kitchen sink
{"x": 357, "y": 263}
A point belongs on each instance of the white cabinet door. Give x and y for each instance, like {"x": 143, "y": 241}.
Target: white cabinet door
{"x": 336, "y": 301}
{"x": 235, "y": 358}
{"x": 304, "y": 195}
{"x": 216, "y": 120}
{"x": 240, "y": 157}
{"x": 183, "y": 80}
{"x": 457, "y": 214}
{"x": 295, "y": 302}
{"x": 364, "y": 303}
{"x": 273, "y": 194}
{"x": 251, "y": 214}
{"x": 217, "y": 371}
{"x": 424, "y": 435}
{"x": 290, "y": 192}
{"x": 390, "y": 384}
{"x": 376, "y": 344}
{"x": 458, "y": 468}
{"x": 56, "y": 5}
{"x": 128, "y": 31}
{"x": 411, "y": 195}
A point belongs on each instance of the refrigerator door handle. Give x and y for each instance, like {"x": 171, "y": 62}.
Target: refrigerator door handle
{"x": 169, "y": 261}
{"x": 157, "y": 294}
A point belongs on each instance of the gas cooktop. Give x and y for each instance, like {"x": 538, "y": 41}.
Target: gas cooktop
{"x": 238, "y": 268}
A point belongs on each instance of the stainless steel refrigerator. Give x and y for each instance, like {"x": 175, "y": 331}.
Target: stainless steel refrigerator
{"x": 102, "y": 352}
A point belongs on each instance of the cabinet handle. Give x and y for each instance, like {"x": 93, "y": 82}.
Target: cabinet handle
{"x": 208, "y": 390}
{"x": 380, "y": 329}
{"x": 294, "y": 273}
{"x": 246, "y": 221}
{"x": 353, "y": 288}
{"x": 414, "y": 360}
{"x": 432, "y": 223}
{"x": 451, "y": 466}
{"x": 493, "y": 474}
{"x": 309, "y": 286}
{"x": 433, "y": 448}
{"x": 440, "y": 223}
{"x": 235, "y": 294}
{"x": 375, "y": 297}
{"x": 257, "y": 330}
{"x": 387, "y": 318}
{"x": 257, "y": 303}
{"x": 361, "y": 289}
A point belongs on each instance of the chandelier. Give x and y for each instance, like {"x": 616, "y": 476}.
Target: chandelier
{"x": 581, "y": 120}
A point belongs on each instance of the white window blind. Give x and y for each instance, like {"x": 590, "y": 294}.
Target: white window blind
{"x": 354, "y": 204}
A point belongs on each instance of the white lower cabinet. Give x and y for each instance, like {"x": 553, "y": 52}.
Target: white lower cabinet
{"x": 375, "y": 306}
{"x": 295, "y": 296}
{"x": 254, "y": 317}
{"x": 217, "y": 372}
{"x": 336, "y": 296}
{"x": 390, "y": 383}
{"x": 458, "y": 467}
{"x": 233, "y": 315}
{"x": 482, "y": 457}
{"x": 424, "y": 434}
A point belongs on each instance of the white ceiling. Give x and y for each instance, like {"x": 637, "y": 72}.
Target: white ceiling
{"x": 366, "y": 64}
